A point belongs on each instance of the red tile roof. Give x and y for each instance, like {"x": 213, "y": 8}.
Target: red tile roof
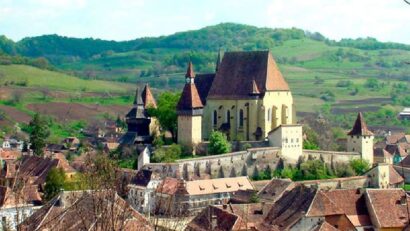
{"x": 190, "y": 70}
{"x": 238, "y": 70}
{"x": 333, "y": 202}
{"x": 86, "y": 210}
{"x": 189, "y": 98}
{"x": 148, "y": 98}
{"x": 360, "y": 127}
{"x": 389, "y": 206}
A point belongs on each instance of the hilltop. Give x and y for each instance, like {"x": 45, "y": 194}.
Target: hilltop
{"x": 335, "y": 78}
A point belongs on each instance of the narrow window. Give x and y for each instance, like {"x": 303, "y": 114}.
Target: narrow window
{"x": 228, "y": 116}
{"x": 269, "y": 114}
{"x": 215, "y": 120}
{"x": 241, "y": 118}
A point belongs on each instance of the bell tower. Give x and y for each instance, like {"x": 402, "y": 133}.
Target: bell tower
{"x": 189, "y": 111}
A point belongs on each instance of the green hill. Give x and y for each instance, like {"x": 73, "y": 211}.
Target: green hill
{"x": 339, "y": 77}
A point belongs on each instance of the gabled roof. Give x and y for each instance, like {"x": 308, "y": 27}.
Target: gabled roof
{"x": 389, "y": 206}
{"x": 237, "y": 70}
{"x": 290, "y": 208}
{"x": 396, "y": 149}
{"x": 86, "y": 210}
{"x": 381, "y": 152}
{"x": 405, "y": 162}
{"x": 274, "y": 189}
{"x": 338, "y": 201}
{"x": 147, "y": 97}
{"x": 360, "y": 127}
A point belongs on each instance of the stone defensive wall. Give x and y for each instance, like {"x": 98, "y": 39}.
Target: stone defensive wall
{"x": 243, "y": 163}
{"x": 353, "y": 182}
{"x": 330, "y": 156}
{"x": 202, "y": 148}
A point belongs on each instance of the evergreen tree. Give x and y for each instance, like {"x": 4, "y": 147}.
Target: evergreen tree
{"x": 39, "y": 132}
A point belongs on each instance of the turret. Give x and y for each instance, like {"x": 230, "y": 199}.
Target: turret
{"x": 189, "y": 110}
{"x": 360, "y": 139}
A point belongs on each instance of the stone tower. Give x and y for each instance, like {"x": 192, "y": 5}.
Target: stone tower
{"x": 360, "y": 139}
{"x": 189, "y": 110}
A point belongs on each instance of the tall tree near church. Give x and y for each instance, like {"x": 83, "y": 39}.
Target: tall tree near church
{"x": 39, "y": 132}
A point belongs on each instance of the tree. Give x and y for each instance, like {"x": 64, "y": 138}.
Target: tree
{"x": 166, "y": 111}
{"x": 54, "y": 183}
{"x": 218, "y": 143}
{"x": 39, "y": 132}
{"x": 315, "y": 169}
{"x": 360, "y": 166}
{"x": 167, "y": 154}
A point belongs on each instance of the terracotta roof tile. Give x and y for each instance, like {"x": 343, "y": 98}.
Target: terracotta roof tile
{"x": 389, "y": 207}
{"x": 324, "y": 226}
{"x": 237, "y": 71}
{"x": 360, "y": 127}
{"x": 189, "y": 98}
{"x": 395, "y": 177}
{"x": 274, "y": 189}
{"x": 148, "y": 98}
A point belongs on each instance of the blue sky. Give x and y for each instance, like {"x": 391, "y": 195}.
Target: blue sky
{"x": 386, "y": 20}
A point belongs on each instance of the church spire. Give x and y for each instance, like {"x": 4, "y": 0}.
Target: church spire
{"x": 137, "y": 99}
{"x": 218, "y": 60}
{"x": 190, "y": 71}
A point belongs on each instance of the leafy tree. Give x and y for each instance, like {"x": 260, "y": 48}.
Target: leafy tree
{"x": 311, "y": 142}
{"x": 372, "y": 83}
{"x": 254, "y": 198}
{"x": 39, "y": 132}
{"x": 360, "y": 166}
{"x": 218, "y": 143}
{"x": 166, "y": 111}
{"x": 315, "y": 169}
{"x": 55, "y": 182}
{"x": 167, "y": 154}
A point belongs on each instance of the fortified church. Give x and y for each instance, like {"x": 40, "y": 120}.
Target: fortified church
{"x": 249, "y": 100}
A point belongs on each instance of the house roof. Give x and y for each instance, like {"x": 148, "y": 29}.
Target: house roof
{"x": 389, "y": 206}
{"x": 11, "y": 198}
{"x": 202, "y": 187}
{"x": 190, "y": 70}
{"x": 237, "y": 71}
{"x": 148, "y": 98}
{"x": 395, "y": 137}
{"x": 334, "y": 202}
{"x": 36, "y": 167}
{"x": 395, "y": 177}
{"x": 214, "y": 218}
{"x": 290, "y": 208}
{"x": 396, "y": 149}
{"x": 142, "y": 178}
{"x": 9, "y": 154}
{"x": 405, "y": 162}
{"x": 86, "y": 210}
{"x": 274, "y": 189}
{"x": 324, "y": 226}
{"x": 360, "y": 127}
{"x": 381, "y": 152}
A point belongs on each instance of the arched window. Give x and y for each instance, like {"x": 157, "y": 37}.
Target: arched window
{"x": 269, "y": 114}
{"x": 228, "y": 116}
{"x": 241, "y": 118}
{"x": 215, "y": 118}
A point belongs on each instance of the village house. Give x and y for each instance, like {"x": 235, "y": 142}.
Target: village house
{"x": 16, "y": 204}
{"x": 86, "y": 210}
{"x": 141, "y": 191}
{"x": 179, "y": 197}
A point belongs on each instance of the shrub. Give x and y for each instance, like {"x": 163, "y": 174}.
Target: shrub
{"x": 360, "y": 166}
{"x": 167, "y": 154}
{"x": 218, "y": 143}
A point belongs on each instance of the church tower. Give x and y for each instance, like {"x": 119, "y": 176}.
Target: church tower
{"x": 189, "y": 110}
{"x": 360, "y": 139}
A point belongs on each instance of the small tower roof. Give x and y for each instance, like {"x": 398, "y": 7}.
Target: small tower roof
{"x": 137, "y": 98}
{"x": 189, "y": 98}
{"x": 190, "y": 71}
{"x": 148, "y": 98}
{"x": 360, "y": 127}
{"x": 138, "y": 110}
